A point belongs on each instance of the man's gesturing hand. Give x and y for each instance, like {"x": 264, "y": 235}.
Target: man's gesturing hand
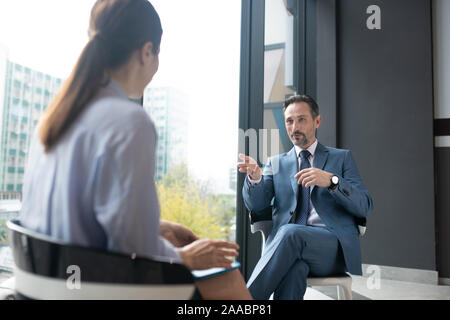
{"x": 250, "y": 166}
{"x": 314, "y": 177}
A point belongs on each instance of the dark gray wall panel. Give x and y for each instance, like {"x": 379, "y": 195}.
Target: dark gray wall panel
{"x": 443, "y": 211}
{"x": 385, "y": 116}
{"x": 326, "y": 71}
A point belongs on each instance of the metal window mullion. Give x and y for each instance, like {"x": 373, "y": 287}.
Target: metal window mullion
{"x": 251, "y": 112}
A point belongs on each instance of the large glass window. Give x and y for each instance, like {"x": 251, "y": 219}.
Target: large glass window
{"x": 278, "y": 67}
{"x": 193, "y": 100}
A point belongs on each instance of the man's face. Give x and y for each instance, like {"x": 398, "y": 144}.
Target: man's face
{"x": 300, "y": 125}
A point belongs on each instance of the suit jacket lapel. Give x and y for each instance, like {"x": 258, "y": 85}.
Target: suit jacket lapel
{"x": 320, "y": 158}
{"x": 292, "y": 166}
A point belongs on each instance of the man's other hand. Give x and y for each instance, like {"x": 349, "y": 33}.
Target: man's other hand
{"x": 314, "y": 177}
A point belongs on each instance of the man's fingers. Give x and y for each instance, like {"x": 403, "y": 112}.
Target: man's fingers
{"x": 246, "y": 159}
{"x": 298, "y": 174}
{"x": 303, "y": 176}
{"x": 244, "y": 166}
{"x": 247, "y": 168}
{"x": 307, "y": 182}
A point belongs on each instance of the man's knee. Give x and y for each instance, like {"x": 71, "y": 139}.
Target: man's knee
{"x": 293, "y": 234}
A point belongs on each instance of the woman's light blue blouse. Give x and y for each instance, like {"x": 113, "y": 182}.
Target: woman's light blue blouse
{"x": 96, "y": 186}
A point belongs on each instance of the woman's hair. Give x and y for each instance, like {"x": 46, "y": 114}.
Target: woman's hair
{"x": 117, "y": 28}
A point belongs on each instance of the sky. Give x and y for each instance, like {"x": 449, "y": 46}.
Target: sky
{"x": 200, "y": 54}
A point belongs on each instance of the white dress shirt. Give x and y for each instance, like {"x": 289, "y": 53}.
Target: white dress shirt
{"x": 313, "y": 217}
{"x": 95, "y": 187}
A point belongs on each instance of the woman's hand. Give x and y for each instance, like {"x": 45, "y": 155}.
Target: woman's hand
{"x": 207, "y": 253}
{"x": 176, "y": 233}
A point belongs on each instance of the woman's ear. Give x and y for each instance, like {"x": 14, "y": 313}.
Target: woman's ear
{"x": 146, "y": 52}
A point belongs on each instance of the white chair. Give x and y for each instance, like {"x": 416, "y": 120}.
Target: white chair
{"x": 7, "y": 289}
{"x": 262, "y": 222}
{"x": 343, "y": 284}
{"x": 46, "y": 269}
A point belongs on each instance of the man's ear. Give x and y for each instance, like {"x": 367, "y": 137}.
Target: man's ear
{"x": 318, "y": 120}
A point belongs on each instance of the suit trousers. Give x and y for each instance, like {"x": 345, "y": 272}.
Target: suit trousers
{"x": 302, "y": 251}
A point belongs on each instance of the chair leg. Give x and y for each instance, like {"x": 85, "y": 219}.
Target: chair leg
{"x": 344, "y": 293}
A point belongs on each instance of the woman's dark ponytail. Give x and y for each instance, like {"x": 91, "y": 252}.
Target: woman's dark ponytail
{"x": 117, "y": 29}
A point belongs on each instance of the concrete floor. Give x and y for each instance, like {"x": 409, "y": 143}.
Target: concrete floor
{"x": 388, "y": 290}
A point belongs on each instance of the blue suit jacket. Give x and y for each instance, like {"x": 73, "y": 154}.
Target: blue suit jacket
{"x": 337, "y": 208}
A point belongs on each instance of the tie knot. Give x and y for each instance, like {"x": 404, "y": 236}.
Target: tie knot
{"x": 304, "y": 155}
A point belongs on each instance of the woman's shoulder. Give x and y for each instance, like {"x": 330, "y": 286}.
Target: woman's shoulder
{"x": 112, "y": 111}
{"x": 116, "y": 107}
{"x": 115, "y": 119}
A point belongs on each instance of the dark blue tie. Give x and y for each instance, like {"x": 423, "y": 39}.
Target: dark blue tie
{"x": 303, "y": 193}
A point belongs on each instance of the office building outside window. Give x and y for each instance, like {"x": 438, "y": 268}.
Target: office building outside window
{"x": 23, "y": 104}
{"x": 168, "y": 108}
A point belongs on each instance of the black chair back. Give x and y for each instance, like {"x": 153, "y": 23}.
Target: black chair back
{"x": 41, "y": 260}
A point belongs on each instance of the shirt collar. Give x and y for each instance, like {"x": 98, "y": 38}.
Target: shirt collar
{"x": 311, "y": 149}
{"x": 115, "y": 87}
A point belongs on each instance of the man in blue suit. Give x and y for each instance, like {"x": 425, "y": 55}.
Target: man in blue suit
{"x": 316, "y": 194}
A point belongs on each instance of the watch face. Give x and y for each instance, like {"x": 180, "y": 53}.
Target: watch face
{"x": 335, "y": 180}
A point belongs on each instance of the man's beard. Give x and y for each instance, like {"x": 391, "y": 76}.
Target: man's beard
{"x": 300, "y": 141}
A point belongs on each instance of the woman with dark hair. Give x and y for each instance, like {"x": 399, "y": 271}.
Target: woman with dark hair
{"x": 90, "y": 177}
